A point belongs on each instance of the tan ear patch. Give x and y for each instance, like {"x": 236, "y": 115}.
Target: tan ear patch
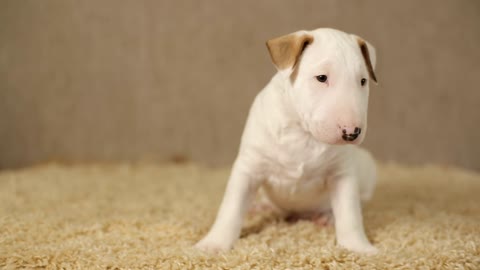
{"x": 286, "y": 50}
{"x": 366, "y": 57}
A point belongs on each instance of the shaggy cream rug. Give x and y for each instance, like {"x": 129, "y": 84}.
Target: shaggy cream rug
{"x": 148, "y": 217}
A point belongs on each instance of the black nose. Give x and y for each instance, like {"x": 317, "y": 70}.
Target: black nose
{"x": 351, "y": 136}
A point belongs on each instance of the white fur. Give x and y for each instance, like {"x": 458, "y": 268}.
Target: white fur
{"x": 293, "y": 148}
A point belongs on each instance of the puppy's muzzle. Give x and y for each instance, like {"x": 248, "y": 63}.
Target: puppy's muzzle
{"x": 350, "y": 137}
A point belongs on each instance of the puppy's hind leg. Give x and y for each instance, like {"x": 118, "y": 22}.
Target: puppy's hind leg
{"x": 262, "y": 204}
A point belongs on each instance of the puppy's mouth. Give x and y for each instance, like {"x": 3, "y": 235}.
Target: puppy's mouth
{"x": 352, "y": 141}
{"x": 349, "y": 137}
{"x": 332, "y": 140}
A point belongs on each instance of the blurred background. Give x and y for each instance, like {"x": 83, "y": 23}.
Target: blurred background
{"x": 108, "y": 81}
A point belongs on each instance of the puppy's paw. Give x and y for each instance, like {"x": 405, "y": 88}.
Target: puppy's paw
{"x": 364, "y": 248}
{"x": 212, "y": 246}
{"x": 324, "y": 219}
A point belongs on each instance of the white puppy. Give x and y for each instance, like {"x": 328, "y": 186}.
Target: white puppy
{"x": 300, "y": 138}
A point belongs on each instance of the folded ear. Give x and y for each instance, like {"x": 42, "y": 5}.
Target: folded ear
{"x": 370, "y": 57}
{"x": 285, "y": 51}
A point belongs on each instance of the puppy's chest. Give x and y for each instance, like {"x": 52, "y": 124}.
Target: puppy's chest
{"x": 301, "y": 164}
{"x": 298, "y": 177}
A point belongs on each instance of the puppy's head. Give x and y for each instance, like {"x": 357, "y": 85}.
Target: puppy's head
{"x": 328, "y": 74}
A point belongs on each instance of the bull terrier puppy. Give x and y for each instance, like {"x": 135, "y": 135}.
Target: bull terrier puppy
{"x": 300, "y": 142}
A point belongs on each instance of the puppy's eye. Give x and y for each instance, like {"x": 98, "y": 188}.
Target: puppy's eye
{"x": 321, "y": 78}
{"x": 363, "y": 81}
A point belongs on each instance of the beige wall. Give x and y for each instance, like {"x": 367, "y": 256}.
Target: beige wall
{"x": 129, "y": 80}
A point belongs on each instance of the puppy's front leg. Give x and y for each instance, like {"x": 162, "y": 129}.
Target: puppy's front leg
{"x": 347, "y": 212}
{"x": 225, "y": 231}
